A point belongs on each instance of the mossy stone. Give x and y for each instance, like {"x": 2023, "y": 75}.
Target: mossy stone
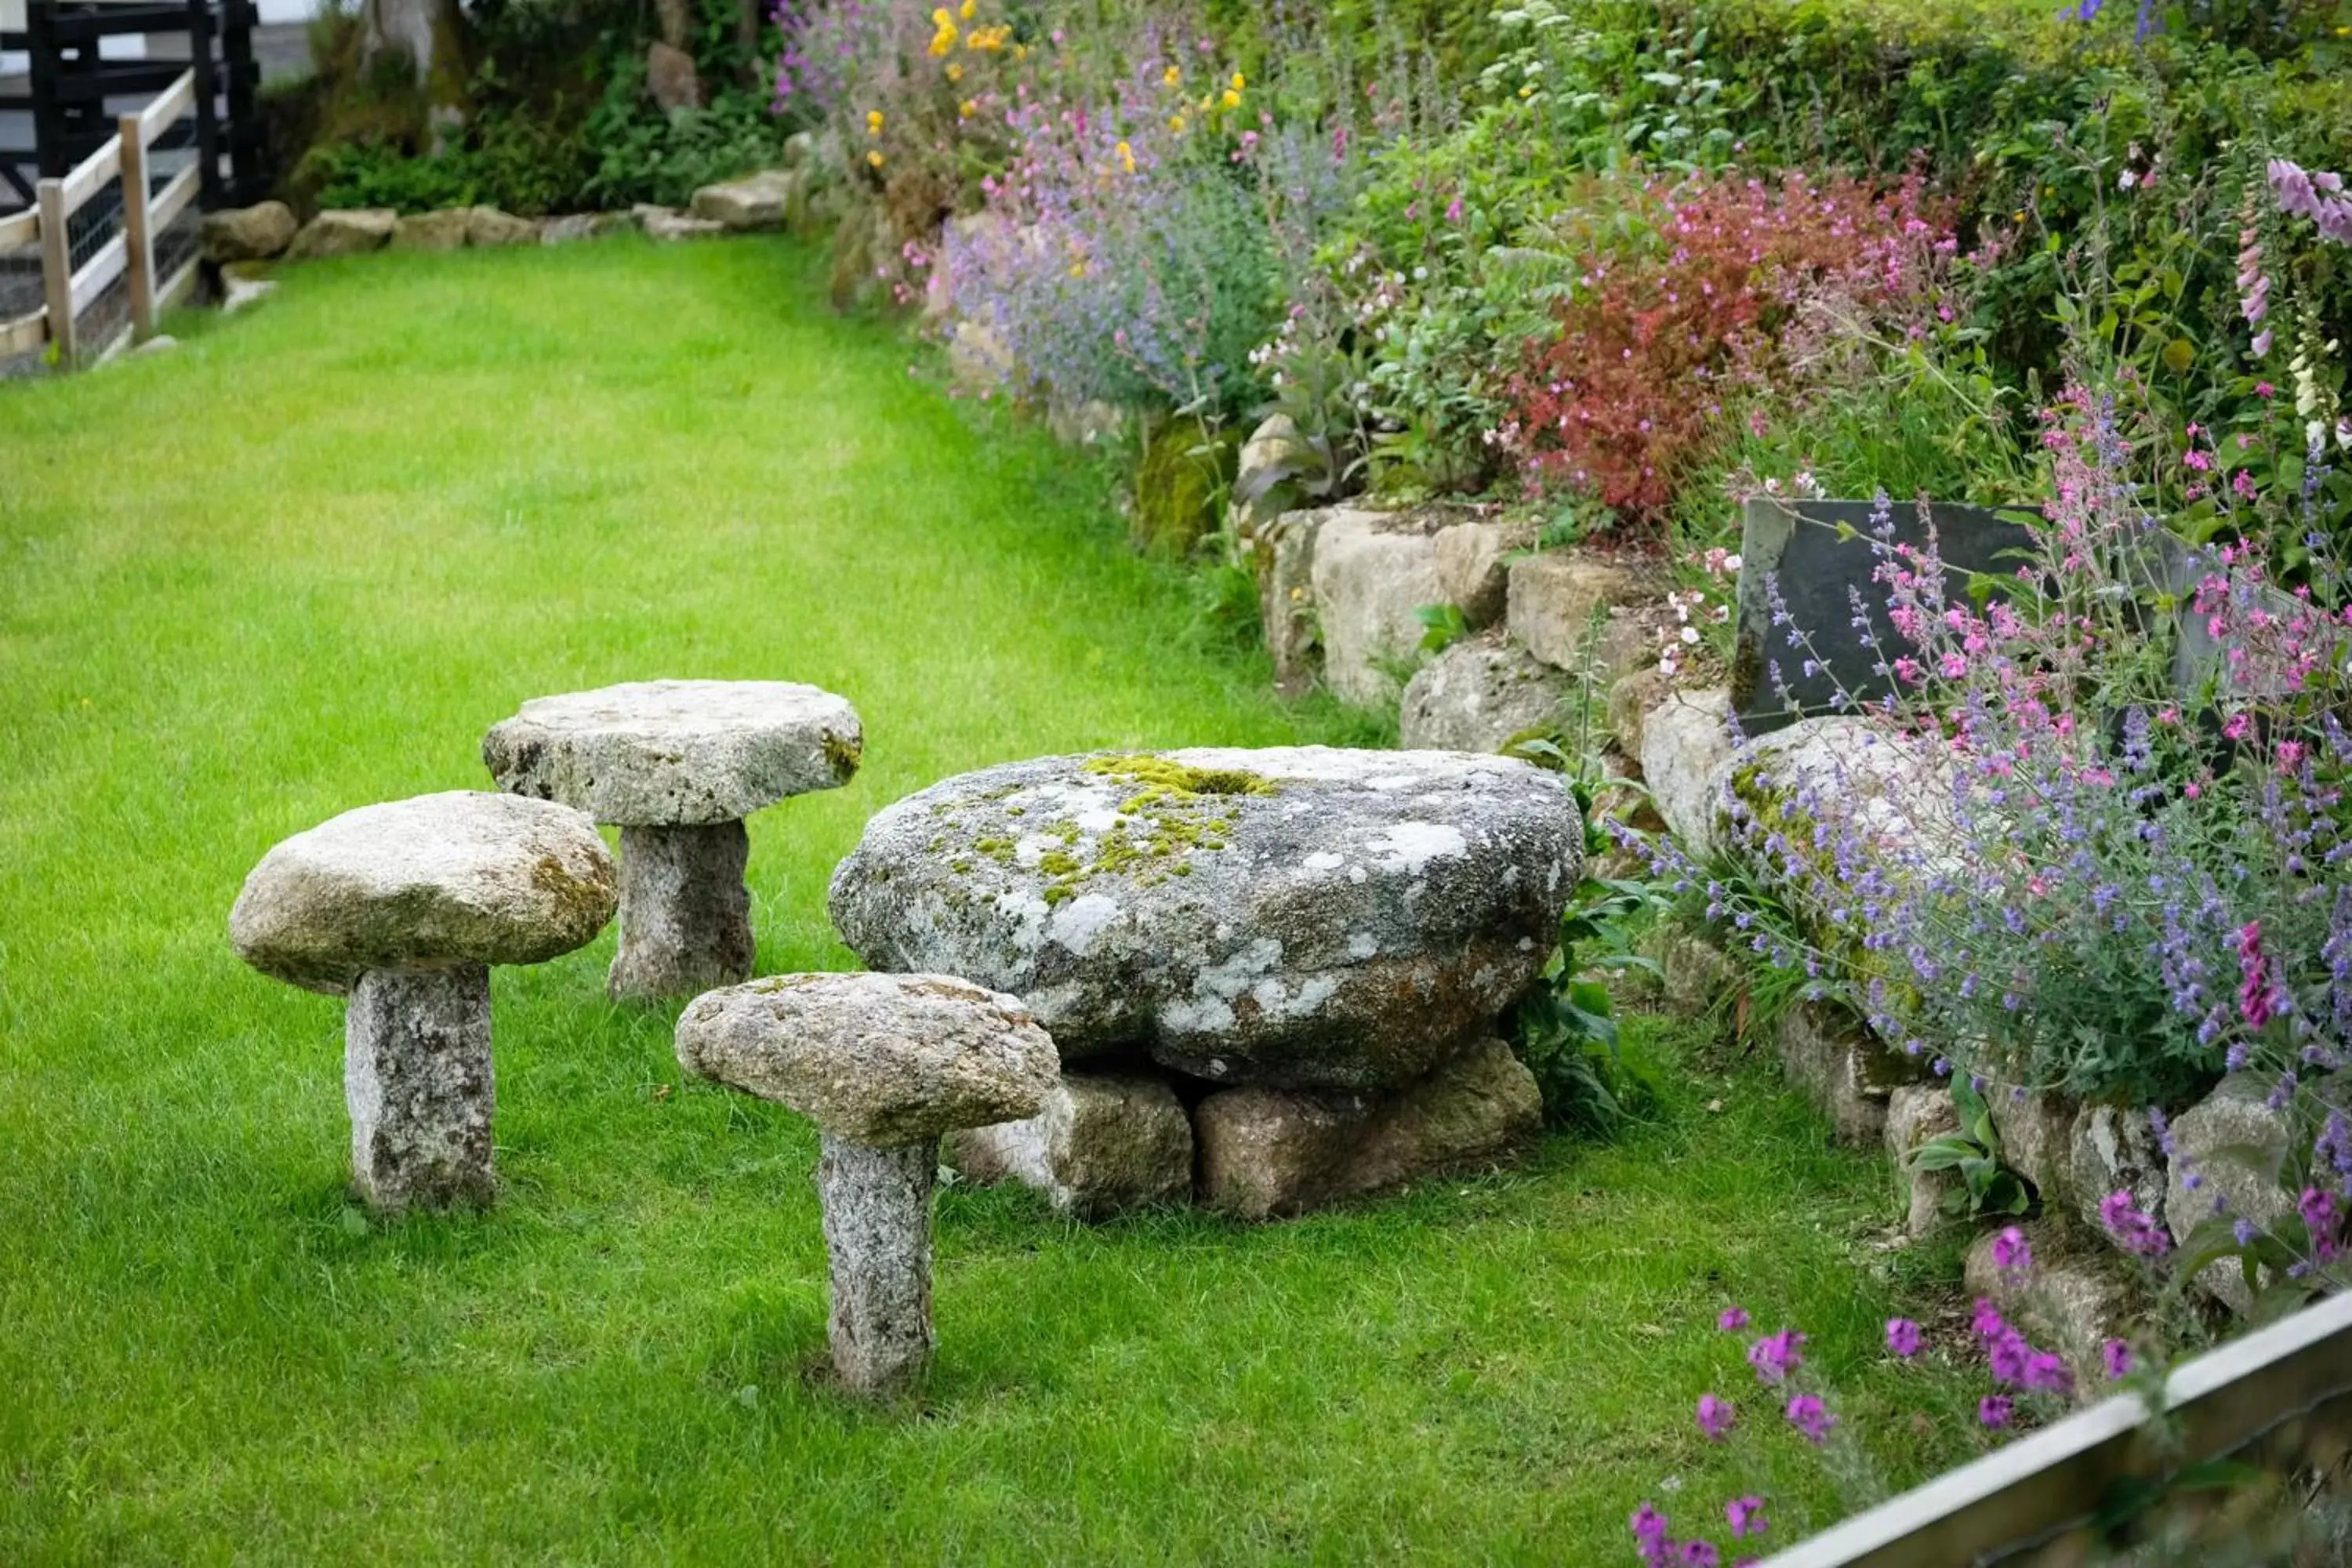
{"x": 1186, "y": 473}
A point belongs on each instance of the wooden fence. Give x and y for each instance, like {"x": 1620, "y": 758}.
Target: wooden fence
{"x": 2280, "y": 1399}
{"x": 116, "y": 241}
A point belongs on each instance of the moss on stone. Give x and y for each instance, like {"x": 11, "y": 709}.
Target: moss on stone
{"x": 842, "y": 753}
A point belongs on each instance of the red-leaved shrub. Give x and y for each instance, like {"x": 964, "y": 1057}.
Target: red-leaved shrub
{"x": 1728, "y": 284}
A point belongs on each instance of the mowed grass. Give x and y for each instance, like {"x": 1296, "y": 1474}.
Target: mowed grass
{"x": 299, "y": 566}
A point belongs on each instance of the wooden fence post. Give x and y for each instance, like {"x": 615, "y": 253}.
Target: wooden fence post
{"x": 57, "y": 271}
{"x": 136, "y": 235}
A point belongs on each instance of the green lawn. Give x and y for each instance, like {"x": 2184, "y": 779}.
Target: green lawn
{"x": 299, "y": 566}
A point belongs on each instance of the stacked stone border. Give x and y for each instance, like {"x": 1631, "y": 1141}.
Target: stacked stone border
{"x": 241, "y": 245}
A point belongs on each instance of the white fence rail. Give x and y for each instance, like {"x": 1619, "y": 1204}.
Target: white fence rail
{"x": 2281, "y": 1397}
{"x": 108, "y": 235}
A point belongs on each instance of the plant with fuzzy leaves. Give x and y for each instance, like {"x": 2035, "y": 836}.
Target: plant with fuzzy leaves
{"x": 1986, "y": 1185}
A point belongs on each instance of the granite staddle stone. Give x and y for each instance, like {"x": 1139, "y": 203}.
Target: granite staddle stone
{"x": 677, "y": 765}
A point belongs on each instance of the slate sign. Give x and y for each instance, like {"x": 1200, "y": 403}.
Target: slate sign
{"x": 1819, "y": 554}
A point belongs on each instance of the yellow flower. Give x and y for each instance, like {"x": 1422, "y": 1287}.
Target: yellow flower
{"x": 1527, "y": 89}
{"x": 1240, "y": 81}
{"x": 944, "y": 39}
{"x": 1077, "y": 269}
{"x": 939, "y": 18}
{"x": 1126, "y": 157}
{"x": 1176, "y": 124}
{"x": 1232, "y": 100}
{"x": 968, "y": 7}
{"x": 875, "y": 159}
{"x": 874, "y": 122}
{"x": 968, "y": 108}
{"x": 955, "y": 71}
{"x": 1173, "y": 75}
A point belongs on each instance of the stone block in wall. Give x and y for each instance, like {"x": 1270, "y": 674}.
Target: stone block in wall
{"x": 1372, "y": 575}
{"x": 1687, "y": 743}
{"x": 1474, "y": 567}
{"x": 1479, "y": 693}
{"x": 2231, "y": 1144}
{"x": 487, "y": 228}
{"x": 1103, "y": 1143}
{"x": 1265, "y": 1153}
{"x": 2076, "y": 1297}
{"x": 1631, "y": 699}
{"x": 1554, "y": 597}
{"x": 1843, "y": 1070}
{"x": 2037, "y": 1140}
{"x": 257, "y": 233}
{"x": 2113, "y": 1148}
{"x": 444, "y": 230}
{"x": 1285, "y": 553}
{"x": 1918, "y": 1114}
{"x": 343, "y": 231}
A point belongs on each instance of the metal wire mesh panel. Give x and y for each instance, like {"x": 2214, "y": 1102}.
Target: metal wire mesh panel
{"x": 100, "y": 323}
{"x": 176, "y": 244}
{"x": 20, "y": 296}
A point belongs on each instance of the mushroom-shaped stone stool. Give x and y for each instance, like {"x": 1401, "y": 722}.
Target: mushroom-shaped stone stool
{"x": 403, "y": 907}
{"x": 884, "y": 1065}
{"x": 677, "y": 765}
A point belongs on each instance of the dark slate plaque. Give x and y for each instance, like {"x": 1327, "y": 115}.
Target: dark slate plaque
{"x": 1819, "y": 554}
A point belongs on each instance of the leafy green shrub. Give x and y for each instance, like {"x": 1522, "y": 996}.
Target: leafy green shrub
{"x": 371, "y": 175}
{"x": 556, "y": 115}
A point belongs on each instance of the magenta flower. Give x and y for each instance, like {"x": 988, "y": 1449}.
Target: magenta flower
{"x": 1808, "y": 1415}
{"x": 1746, "y": 1515}
{"x": 2009, "y": 1356}
{"x": 1903, "y": 1336}
{"x": 1994, "y": 1410}
{"x": 2047, "y": 1373}
{"x": 2011, "y": 1253}
{"x": 2134, "y": 1229}
{"x": 1775, "y": 1356}
{"x": 2253, "y": 969}
{"x": 1734, "y": 1319}
{"x": 1716, "y": 1416}
{"x": 2119, "y": 1357}
{"x": 1987, "y": 1322}
{"x": 2320, "y": 1215}
{"x": 1699, "y": 1554}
